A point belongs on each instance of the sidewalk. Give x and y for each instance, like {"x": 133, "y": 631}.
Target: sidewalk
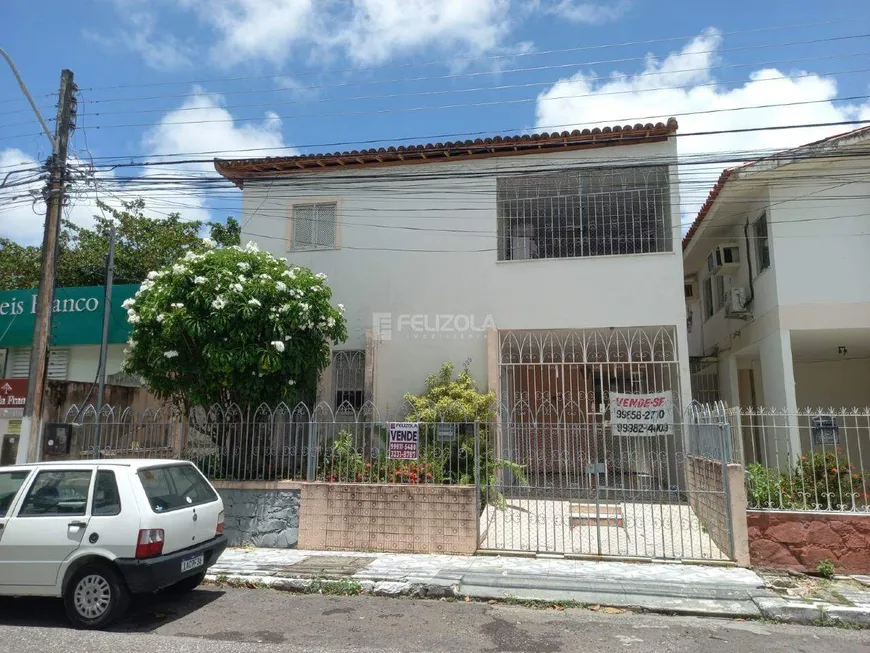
{"x": 657, "y": 587}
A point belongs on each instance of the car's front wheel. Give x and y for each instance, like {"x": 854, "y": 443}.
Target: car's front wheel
{"x": 95, "y": 597}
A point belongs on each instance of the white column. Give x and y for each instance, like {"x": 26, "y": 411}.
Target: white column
{"x": 781, "y": 433}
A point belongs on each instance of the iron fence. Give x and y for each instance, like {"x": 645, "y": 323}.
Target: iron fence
{"x": 122, "y": 432}
{"x": 814, "y": 459}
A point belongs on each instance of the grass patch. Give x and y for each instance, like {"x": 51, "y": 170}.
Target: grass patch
{"x": 342, "y": 587}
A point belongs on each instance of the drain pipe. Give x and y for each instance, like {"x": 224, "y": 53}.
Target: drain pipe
{"x": 749, "y": 263}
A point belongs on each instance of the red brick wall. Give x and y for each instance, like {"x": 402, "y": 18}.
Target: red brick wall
{"x": 800, "y": 540}
{"x": 705, "y": 487}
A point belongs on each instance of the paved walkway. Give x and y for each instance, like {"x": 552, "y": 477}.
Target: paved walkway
{"x": 661, "y": 587}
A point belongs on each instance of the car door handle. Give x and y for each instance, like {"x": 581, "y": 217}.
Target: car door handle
{"x": 79, "y": 524}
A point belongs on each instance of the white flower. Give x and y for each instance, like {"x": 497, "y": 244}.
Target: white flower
{"x": 242, "y": 278}
{"x": 330, "y": 322}
{"x": 131, "y": 342}
{"x": 170, "y": 354}
{"x": 208, "y": 243}
{"x": 179, "y": 269}
{"x": 315, "y": 288}
{"x": 199, "y": 280}
{"x": 237, "y": 287}
{"x": 291, "y": 382}
{"x": 289, "y": 273}
{"x": 244, "y": 267}
{"x": 254, "y": 302}
{"x": 341, "y": 307}
{"x": 130, "y": 312}
{"x": 265, "y": 277}
{"x": 303, "y": 306}
{"x": 320, "y": 276}
{"x": 146, "y": 285}
{"x": 190, "y": 256}
{"x": 280, "y": 286}
{"x": 284, "y": 308}
{"x": 278, "y": 345}
{"x": 177, "y": 305}
{"x": 128, "y": 303}
{"x": 251, "y": 246}
{"x": 152, "y": 275}
{"x": 287, "y": 338}
{"x": 161, "y": 317}
{"x": 219, "y": 303}
{"x": 133, "y": 319}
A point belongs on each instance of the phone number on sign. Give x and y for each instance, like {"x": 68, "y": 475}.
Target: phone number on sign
{"x": 647, "y": 415}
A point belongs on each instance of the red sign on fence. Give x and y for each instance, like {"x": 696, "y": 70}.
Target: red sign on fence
{"x": 13, "y": 393}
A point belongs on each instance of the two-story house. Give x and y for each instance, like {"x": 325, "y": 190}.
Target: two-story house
{"x": 545, "y": 263}
{"x": 777, "y": 266}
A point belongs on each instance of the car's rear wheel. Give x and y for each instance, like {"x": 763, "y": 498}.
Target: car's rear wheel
{"x": 95, "y": 597}
{"x": 186, "y": 585}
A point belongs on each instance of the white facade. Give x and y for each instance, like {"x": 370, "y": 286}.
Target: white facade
{"x": 416, "y": 264}
{"x": 805, "y": 339}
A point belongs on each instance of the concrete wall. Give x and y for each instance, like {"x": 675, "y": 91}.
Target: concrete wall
{"x": 373, "y": 269}
{"x": 84, "y": 360}
{"x": 391, "y": 518}
{"x": 838, "y": 384}
{"x": 800, "y": 540}
{"x": 716, "y": 502}
{"x": 260, "y": 514}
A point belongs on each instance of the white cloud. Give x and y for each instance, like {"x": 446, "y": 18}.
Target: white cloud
{"x": 685, "y": 82}
{"x": 140, "y": 34}
{"x": 593, "y": 13}
{"x": 366, "y": 32}
{"x": 20, "y": 223}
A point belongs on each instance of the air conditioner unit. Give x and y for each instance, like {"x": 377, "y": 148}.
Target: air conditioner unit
{"x": 724, "y": 259}
{"x": 736, "y": 304}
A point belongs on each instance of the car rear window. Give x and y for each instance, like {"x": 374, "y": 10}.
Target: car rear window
{"x": 10, "y": 483}
{"x": 176, "y": 486}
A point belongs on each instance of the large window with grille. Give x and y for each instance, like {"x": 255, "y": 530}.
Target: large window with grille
{"x": 348, "y": 378}
{"x": 589, "y": 212}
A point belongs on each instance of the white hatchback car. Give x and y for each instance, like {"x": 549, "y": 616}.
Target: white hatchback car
{"x": 96, "y": 531}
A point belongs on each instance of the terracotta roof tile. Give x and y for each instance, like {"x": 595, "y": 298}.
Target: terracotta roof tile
{"x": 238, "y": 170}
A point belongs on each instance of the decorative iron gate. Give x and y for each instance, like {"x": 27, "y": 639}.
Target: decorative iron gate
{"x": 570, "y": 484}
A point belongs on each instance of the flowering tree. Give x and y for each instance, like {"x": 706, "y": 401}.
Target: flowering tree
{"x": 232, "y": 325}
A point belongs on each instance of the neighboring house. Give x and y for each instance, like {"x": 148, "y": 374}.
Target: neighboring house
{"x": 545, "y": 263}
{"x": 777, "y": 281}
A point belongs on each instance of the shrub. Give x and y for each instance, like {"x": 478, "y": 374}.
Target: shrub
{"x": 825, "y": 569}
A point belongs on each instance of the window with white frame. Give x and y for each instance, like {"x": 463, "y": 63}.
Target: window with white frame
{"x": 720, "y": 292}
{"x": 313, "y": 226}
{"x": 588, "y": 212}
{"x": 708, "y": 297}
{"x": 348, "y": 378}
{"x": 762, "y": 243}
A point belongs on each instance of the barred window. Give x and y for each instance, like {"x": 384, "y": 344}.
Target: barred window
{"x": 313, "y": 226}
{"x": 591, "y": 212}
{"x": 348, "y": 378}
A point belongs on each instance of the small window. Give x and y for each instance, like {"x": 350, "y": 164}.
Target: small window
{"x": 348, "y": 378}
{"x": 720, "y": 293}
{"x": 176, "y": 486}
{"x": 107, "y": 501}
{"x": 10, "y": 483}
{"x": 313, "y": 226}
{"x": 762, "y": 243}
{"x": 708, "y": 297}
{"x": 55, "y": 493}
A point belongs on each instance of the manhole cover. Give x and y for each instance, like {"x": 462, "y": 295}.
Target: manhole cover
{"x": 327, "y": 567}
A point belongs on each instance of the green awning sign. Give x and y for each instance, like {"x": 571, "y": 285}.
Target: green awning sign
{"x": 78, "y": 316}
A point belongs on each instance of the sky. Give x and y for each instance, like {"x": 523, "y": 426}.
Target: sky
{"x": 168, "y": 80}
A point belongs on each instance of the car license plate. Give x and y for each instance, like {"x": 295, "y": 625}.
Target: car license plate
{"x": 192, "y": 562}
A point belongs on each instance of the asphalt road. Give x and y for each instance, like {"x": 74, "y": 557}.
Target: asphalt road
{"x": 235, "y": 620}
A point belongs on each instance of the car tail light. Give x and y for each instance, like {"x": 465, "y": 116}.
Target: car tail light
{"x": 220, "y": 525}
{"x": 150, "y": 543}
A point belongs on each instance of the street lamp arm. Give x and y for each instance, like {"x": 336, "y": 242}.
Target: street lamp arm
{"x": 29, "y": 98}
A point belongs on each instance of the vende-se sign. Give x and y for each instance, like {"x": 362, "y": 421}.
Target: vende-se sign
{"x": 642, "y": 415}
{"x": 404, "y": 441}
{"x": 13, "y": 393}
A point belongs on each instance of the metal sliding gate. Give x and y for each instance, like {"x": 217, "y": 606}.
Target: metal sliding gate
{"x": 562, "y": 481}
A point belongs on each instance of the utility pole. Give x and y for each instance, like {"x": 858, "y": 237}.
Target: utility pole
{"x": 31, "y": 425}
{"x": 104, "y": 342}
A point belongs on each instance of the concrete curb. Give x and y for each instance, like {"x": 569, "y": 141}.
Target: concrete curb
{"x": 654, "y": 597}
